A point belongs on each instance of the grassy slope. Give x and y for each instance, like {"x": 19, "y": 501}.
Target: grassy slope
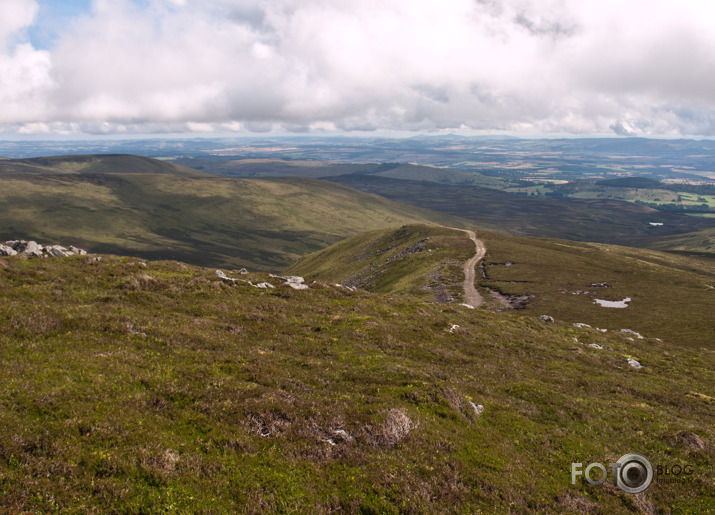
{"x": 413, "y": 259}
{"x": 672, "y": 295}
{"x": 701, "y": 241}
{"x": 92, "y": 164}
{"x": 582, "y": 219}
{"x": 153, "y": 388}
{"x": 259, "y": 223}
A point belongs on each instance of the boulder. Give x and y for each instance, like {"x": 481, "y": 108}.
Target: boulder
{"x": 29, "y": 248}
{"x": 632, "y": 362}
{"x": 629, "y": 331}
{"x": 6, "y": 250}
{"x": 581, "y": 325}
{"x": 297, "y": 286}
{"x": 478, "y": 408}
{"x": 264, "y": 285}
{"x": 546, "y": 318}
{"x": 78, "y": 251}
{"x": 58, "y": 251}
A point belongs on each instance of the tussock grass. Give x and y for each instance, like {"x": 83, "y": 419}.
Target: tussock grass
{"x": 156, "y": 388}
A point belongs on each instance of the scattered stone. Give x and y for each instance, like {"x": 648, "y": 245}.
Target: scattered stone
{"x": 582, "y": 326}
{"x": 546, "y": 318}
{"x": 351, "y": 288}
{"x": 453, "y": 328}
{"x": 632, "y": 362}
{"x": 478, "y": 408}
{"x": 297, "y": 286}
{"x": 629, "y": 331}
{"x": 602, "y": 330}
{"x": 263, "y": 285}
{"x": 78, "y": 251}
{"x": 468, "y": 306}
{"x": 596, "y": 346}
{"x": 600, "y": 285}
{"x": 221, "y": 275}
{"x": 7, "y": 250}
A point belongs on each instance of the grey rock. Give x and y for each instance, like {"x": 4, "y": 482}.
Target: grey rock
{"x": 297, "y": 286}
{"x": 78, "y": 251}
{"x": 546, "y": 318}
{"x": 264, "y": 285}
{"x": 629, "y": 331}
{"x": 58, "y": 251}
{"x": 221, "y": 275}
{"x": 6, "y": 250}
{"x": 632, "y": 362}
{"x": 478, "y": 408}
{"x": 29, "y": 248}
{"x": 582, "y": 326}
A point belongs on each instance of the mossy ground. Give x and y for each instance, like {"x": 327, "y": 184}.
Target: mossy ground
{"x": 155, "y": 388}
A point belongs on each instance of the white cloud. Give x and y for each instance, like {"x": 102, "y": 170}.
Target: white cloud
{"x": 538, "y": 66}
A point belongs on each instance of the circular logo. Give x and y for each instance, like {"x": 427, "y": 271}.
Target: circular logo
{"x": 635, "y": 473}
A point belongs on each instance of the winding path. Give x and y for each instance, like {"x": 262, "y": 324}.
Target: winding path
{"x": 473, "y": 298}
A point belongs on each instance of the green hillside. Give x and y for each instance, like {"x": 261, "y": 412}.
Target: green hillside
{"x": 133, "y": 387}
{"x": 695, "y": 242}
{"x": 93, "y": 164}
{"x": 263, "y": 224}
{"x": 601, "y": 220}
{"x": 419, "y": 260}
{"x": 672, "y": 296}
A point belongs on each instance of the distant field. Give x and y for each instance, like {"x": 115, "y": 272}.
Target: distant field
{"x": 601, "y": 220}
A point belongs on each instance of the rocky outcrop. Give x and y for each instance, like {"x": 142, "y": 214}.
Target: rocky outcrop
{"x": 294, "y": 281}
{"x": 6, "y": 250}
{"x": 630, "y": 331}
{"x": 32, "y": 248}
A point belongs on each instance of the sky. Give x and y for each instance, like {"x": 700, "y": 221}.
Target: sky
{"x": 208, "y": 67}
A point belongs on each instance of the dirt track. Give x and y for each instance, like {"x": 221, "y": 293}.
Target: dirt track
{"x": 471, "y": 294}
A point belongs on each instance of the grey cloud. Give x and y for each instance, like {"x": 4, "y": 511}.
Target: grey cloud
{"x": 519, "y": 65}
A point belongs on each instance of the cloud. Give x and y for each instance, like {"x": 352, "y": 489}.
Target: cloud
{"x": 537, "y": 66}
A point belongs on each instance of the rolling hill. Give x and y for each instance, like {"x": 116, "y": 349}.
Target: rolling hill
{"x": 105, "y": 204}
{"x": 671, "y": 296}
{"x": 94, "y": 164}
